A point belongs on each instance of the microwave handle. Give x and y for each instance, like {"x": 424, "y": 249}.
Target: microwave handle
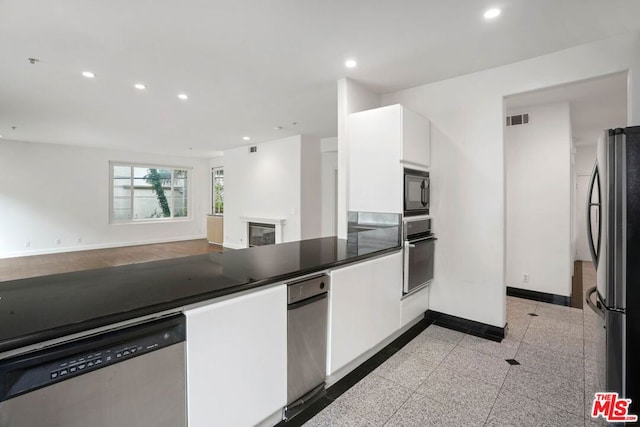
{"x": 424, "y": 195}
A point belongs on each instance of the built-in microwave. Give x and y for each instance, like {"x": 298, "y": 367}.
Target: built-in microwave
{"x": 416, "y": 192}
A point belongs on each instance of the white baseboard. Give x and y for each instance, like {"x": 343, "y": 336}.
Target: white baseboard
{"x": 98, "y": 246}
{"x": 232, "y": 246}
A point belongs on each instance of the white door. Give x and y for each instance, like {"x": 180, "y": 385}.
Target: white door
{"x": 582, "y": 246}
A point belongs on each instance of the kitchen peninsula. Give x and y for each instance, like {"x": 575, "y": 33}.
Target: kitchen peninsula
{"x": 246, "y": 287}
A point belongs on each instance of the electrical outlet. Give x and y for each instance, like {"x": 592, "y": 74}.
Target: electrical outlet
{"x": 525, "y": 277}
{"x": 58, "y": 241}
{"x": 27, "y": 244}
{"x": 79, "y": 240}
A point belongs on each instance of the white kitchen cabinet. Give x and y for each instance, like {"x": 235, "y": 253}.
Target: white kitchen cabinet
{"x": 364, "y": 308}
{"x": 237, "y": 359}
{"x": 416, "y": 141}
{"x": 387, "y": 290}
{"x": 382, "y": 142}
{"x": 350, "y": 313}
{"x": 414, "y": 305}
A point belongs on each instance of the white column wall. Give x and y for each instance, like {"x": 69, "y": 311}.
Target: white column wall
{"x": 329, "y": 177}
{"x": 352, "y": 97}
{"x": 310, "y": 188}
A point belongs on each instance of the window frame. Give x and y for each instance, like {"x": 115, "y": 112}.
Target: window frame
{"x": 172, "y": 218}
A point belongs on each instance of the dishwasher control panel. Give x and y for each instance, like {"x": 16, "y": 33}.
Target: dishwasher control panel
{"x": 307, "y": 288}
{"x": 44, "y": 367}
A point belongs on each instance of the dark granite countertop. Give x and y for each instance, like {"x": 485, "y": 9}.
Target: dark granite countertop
{"x": 42, "y": 308}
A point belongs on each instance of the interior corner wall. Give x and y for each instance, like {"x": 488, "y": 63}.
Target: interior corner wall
{"x": 352, "y": 97}
{"x": 538, "y": 199}
{"x": 264, "y": 184}
{"x": 57, "y": 192}
{"x": 467, "y": 165}
{"x": 310, "y": 188}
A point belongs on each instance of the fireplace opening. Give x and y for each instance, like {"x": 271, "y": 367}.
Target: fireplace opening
{"x": 261, "y": 234}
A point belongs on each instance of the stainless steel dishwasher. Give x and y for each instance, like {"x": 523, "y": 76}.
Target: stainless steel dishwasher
{"x": 306, "y": 342}
{"x": 133, "y": 376}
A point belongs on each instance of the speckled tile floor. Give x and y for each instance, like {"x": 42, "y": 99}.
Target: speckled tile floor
{"x": 447, "y": 378}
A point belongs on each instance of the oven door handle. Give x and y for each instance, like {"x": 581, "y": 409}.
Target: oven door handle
{"x": 405, "y": 270}
{"x": 411, "y": 243}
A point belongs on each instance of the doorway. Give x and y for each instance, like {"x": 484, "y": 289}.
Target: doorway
{"x": 548, "y": 163}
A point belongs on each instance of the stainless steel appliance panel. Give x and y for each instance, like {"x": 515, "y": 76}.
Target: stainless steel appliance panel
{"x": 615, "y": 350}
{"x": 307, "y": 288}
{"x": 616, "y": 255}
{"x": 306, "y": 351}
{"x": 130, "y": 376}
{"x": 419, "y": 261}
{"x": 419, "y": 249}
{"x": 147, "y": 391}
{"x": 307, "y": 319}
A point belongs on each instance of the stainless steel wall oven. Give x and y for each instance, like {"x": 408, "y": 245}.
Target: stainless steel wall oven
{"x": 419, "y": 250}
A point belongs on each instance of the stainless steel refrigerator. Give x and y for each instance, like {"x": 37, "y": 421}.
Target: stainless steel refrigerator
{"x": 613, "y": 222}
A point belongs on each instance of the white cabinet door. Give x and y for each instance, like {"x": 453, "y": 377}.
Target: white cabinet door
{"x": 416, "y": 142}
{"x": 381, "y": 142}
{"x": 375, "y": 172}
{"x": 364, "y": 308}
{"x": 386, "y": 294}
{"x": 414, "y": 305}
{"x": 237, "y": 359}
{"x": 349, "y": 314}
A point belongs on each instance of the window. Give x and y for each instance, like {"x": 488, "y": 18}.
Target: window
{"x": 147, "y": 193}
{"x": 217, "y": 197}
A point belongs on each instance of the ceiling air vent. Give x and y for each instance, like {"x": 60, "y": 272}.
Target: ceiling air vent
{"x": 253, "y": 149}
{"x": 518, "y": 119}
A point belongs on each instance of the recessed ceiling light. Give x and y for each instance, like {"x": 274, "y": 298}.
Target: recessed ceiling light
{"x": 246, "y": 138}
{"x": 139, "y": 86}
{"x": 183, "y": 96}
{"x": 1, "y": 136}
{"x": 491, "y": 13}
{"x": 350, "y": 63}
{"x": 88, "y": 74}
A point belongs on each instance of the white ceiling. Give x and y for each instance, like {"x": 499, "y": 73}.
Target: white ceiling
{"x": 595, "y": 105}
{"x": 249, "y": 66}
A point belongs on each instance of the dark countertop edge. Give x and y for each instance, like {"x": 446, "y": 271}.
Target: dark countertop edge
{"x": 75, "y": 328}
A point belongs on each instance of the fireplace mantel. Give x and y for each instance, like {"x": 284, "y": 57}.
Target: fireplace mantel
{"x": 278, "y": 222}
{"x": 274, "y": 221}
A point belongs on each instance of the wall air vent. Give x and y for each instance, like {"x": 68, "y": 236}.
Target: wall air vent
{"x": 253, "y": 149}
{"x": 518, "y": 119}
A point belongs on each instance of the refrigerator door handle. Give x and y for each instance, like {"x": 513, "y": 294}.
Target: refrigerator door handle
{"x": 595, "y": 181}
{"x": 599, "y": 311}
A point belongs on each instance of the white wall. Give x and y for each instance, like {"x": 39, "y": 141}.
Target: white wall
{"x": 52, "y": 192}
{"x": 310, "y": 188}
{"x": 468, "y": 164}
{"x": 269, "y": 184}
{"x": 585, "y": 158}
{"x": 539, "y": 211}
{"x": 352, "y": 97}
{"x": 329, "y": 174}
